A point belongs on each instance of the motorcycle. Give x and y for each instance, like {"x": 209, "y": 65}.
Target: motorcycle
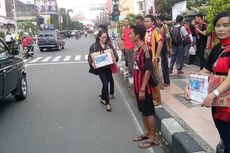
{"x": 27, "y": 52}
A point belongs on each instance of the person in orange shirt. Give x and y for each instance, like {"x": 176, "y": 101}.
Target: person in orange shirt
{"x": 128, "y": 46}
{"x": 154, "y": 40}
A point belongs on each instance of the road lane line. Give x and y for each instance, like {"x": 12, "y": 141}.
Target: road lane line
{"x": 77, "y": 57}
{"x": 67, "y": 58}
{"x": 134, "y": 118}
{"x": 46, "y": 59}
{"x": 86, "y": 57}
{"x": 56, "y": 63}
{"x": 36, "y": 59}
{"x": 57, "y": 58}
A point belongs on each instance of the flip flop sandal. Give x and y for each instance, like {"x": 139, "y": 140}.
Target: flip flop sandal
{"x": 147, "y": 144}
{"x": 140, "y": 138}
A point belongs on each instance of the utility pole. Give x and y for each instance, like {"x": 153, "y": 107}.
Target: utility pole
{"x": 15, "y": 15}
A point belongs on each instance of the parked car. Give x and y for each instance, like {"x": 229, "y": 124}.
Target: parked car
{"x": 50, "y": 39}
{"x": 12, "y": 73}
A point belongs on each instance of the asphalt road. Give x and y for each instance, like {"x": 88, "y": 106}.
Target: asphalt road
{"x": 62, "y": 113}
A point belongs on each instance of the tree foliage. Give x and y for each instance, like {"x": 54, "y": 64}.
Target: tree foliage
{"x": 28, "y": 26}
{"x": 215, "y": 7}
{"x": 67, "y": 22}
{"x": 165, "y": 6}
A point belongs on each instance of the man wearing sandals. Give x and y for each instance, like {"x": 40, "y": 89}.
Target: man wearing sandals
{"x": 141, "y": 73}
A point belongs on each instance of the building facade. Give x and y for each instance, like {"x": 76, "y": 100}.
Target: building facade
{"x": 6, "y": 24}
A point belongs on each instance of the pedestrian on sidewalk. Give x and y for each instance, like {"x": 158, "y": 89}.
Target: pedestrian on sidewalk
{"x": 105, "y": 73}
{"x": 141, "y": 73}
{"x": 154, "y": 40}
{"x": 193, "y": 30}
{"x": 219, "y": 63}
{"x": 164, "y": 52}
{"x": 128, "y": 46}
{"x": 178, "y": 34}
{"x": 201, "y": 41}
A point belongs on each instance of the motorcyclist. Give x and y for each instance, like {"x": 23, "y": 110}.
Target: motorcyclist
{"x": 27, "y": 42}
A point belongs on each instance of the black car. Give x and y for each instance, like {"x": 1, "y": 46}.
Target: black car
{"x": 12, "y": 73}
{"x": 50, "y": 39}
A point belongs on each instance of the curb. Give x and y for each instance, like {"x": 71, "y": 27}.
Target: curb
{"x": 176, "y": 136}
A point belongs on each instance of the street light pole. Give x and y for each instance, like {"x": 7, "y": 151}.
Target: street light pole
{"x": 15, "y": 15}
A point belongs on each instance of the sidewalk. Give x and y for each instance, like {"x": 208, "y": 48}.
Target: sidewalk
{"x": 184, "y": 125}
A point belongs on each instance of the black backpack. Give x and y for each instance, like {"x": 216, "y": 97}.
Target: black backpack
{"x": 176, "y": 36}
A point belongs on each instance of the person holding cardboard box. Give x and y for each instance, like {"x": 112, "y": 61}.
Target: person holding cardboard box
{"x": 101, "y": 53}
{"x": 218, "y": 63}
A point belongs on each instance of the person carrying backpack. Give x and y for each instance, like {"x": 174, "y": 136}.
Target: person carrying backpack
{"x": 178, "y": 35}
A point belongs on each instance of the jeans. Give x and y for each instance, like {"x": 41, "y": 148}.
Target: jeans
{"x": 129, "y": 53}
{"x": 106, "y": 76}
{"x": 164, "y": 65}
{"x": 223, "y": 129}
{"x": 178, "y": 54}
{"x": 200, "y": 51}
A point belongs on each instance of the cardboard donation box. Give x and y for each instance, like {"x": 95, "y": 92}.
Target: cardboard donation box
{"x": 102, "y": 59}
{"x": 201, "y": 85}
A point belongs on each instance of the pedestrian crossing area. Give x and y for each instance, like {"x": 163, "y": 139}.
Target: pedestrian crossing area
{"x": 50, "y": 59}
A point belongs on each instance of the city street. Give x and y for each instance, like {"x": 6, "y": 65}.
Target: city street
{"x": 62, "y": 113}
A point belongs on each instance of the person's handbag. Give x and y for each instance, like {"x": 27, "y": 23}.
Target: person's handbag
{"x": 153, "y": 80}
{"x": 192, "y": 51}
{"x": 114, "y": 68}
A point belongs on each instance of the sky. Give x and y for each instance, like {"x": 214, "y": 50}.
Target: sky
{"x": 78, "y": 6}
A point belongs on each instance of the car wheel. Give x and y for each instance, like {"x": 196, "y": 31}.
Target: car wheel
{"x": 22, "y": 89}
{"x": 41, "y": 49}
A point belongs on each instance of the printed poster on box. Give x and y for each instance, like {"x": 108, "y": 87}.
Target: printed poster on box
{"x": 201, "y": 85}
{"x": 102, "y": 59}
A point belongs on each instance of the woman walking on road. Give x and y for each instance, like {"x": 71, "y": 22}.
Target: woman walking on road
{"x": 105, "y": 73}
{"x": 219, "y": 63}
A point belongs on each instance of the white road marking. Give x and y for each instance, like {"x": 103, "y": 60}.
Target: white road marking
{"x": 67, "y": 58}
{"x": 57, "y": 58}
{"x": 77, "y": 57}
{"x": 86, "y": 57}
{"x": 56, "y": 63}
{"x": 138, "y": 126}
{"x": 36, "y": 59}
{"x": 46, "y": 59}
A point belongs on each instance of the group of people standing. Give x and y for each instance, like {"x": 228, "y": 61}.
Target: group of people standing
{"x": 149, "y": 42}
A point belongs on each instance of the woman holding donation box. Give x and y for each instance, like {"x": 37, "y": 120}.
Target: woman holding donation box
{"x": 101, "y": 57}
{"x": 219, "y": 64}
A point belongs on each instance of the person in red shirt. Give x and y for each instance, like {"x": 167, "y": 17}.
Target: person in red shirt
{"x": 128, "y": 45}
{"x": 27, "y": 42}
{"x": 218, "y": 63}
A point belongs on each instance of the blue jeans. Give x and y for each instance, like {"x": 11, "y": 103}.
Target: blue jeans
{"x": 178, "y": 55}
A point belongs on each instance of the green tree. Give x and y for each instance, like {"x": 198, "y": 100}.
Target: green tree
{"x": 68, "y": 19}
{"x": 215, "y": 7}
{"x": 28, "y": 26}
{"x": 165, "y": 7}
